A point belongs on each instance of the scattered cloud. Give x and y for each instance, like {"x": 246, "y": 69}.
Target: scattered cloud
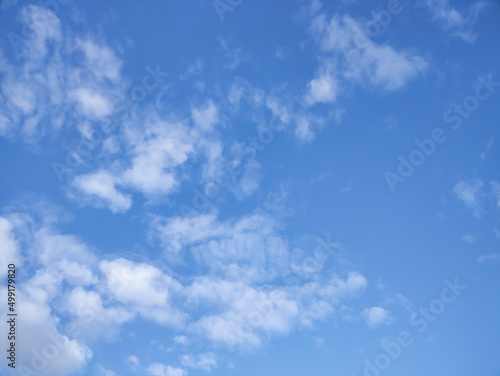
{"x": 469, "y": 193}
{"x": 360, "y": 60}
{"x": 323, "y": 88}
{"x": 205, "y": 362}
{"x": 458, "y": 23}
{"x": 489, "y": 257}
{"x": 133, "y": 362}
{"x": 157, "y": 369}
{"x": 101, "y": 371}
{"x": 377, "y": 316}
{"x": 470, "y": 238}
{"x": 484, "y": 153}
{"x": 99, "y": 188}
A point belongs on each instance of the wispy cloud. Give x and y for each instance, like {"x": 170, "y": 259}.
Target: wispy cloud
{"x": 489, "y": 257}
{"x": 469, "y": 193}
{"x": 458, "y": 23}
{"x": 360, "y": 60}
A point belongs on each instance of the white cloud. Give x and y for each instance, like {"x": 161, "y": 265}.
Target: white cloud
{"x": 307, "y": 127}
{"x": 469, "y": 192}
{"x": 235, "y": 257}
{"x": 338, "y": 288}
{"x": 487, "y": 149}
{"x": 323, "y": 88}
{"x": 457, "y": 23}
{"x": 205, "y": 361}
{"x": 281, "y": 109}
{"x": 362, "y": 60}
{"x": 157, "y": 149}
{"x": 157, "y": 369}
{"x": 181, "y": 340}
{"x": 249, "y": 182}
{"x": 100, "y": 59}
{"x": 133, "y": 362}
{"x": 91, "y": 319}
{"x": 236, "y": 297}
{"x": 143, "y": 289}
{"x": 233, "y": 56}
{"x": 376, "y": 316}
{"x": 139, "y": 284}
{"x": 243, "y": 315}
{"x": 104, "y": 371}
{"x": 244, "y": 248}
{"x": 100, "y": 189}
{"x": 19, "y": 94}
{"x": 8, "y": 246}
{"x": 206, "y": 116}
{"x": 44, "y": 27}
{"x": 50, "y": 76}
{"x": 92, "y": 104}
{"x": 38, "y": 330}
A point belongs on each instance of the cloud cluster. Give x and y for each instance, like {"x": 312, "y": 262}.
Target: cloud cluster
{"x": 349, "y": 56}
{"x": 235, "y": 297}
{"x": 458, "y": 23}
{"x": 55, "y": 74}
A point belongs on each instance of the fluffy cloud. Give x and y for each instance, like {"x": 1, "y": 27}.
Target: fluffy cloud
{"x": 360, "y": 60}
{"x": 139, "y": 284}
{"x": 90, "y": 318}
{"x": 323, "y": 88}
{"x": 92, "y": 104}
{"x": 156, "y": 151}
{"x": 236, "y": 297}
{"x": 244, "y": 248}
{"x": 144, "y": 289}
{"x": 100, "y": 189}
{"x": 49, "y": 347}
{"x": 41, "y": 88}
{"x": 376, "y": 316}
{"x": 205, "y": 117}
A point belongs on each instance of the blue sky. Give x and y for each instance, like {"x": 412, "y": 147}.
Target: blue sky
{"x": 244, "y": 187}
